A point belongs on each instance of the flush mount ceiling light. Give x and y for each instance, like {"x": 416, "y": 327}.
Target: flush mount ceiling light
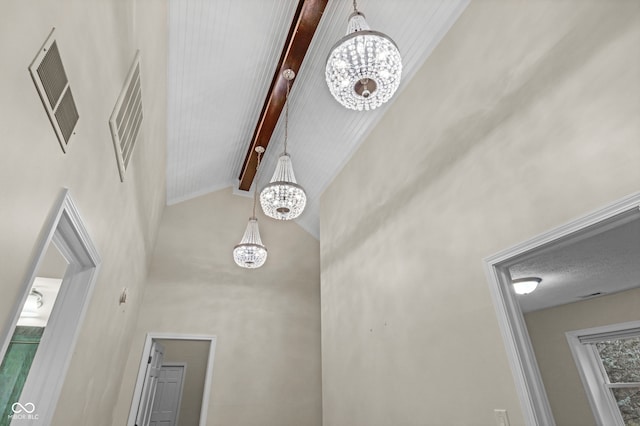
{"x": 283, "y": 198}
{"x": 525, "y": 285}
{"x": 33, "y": 303}
{"x": 251, "y": 253}
{"x": 364, "y": 67}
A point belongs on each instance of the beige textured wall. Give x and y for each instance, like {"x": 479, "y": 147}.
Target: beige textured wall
{"x": 97, "y": 41}
{"x": 267, "y": 321}
{"x": 194, "y": 353}
{"x": 524, "y": 117}
{"x": 547, "y": 330}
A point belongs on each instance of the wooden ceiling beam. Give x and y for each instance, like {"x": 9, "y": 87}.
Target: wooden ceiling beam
{"x": 303, "y": 27}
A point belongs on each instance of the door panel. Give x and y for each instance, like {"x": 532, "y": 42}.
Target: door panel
{"x": 168, "y": 394}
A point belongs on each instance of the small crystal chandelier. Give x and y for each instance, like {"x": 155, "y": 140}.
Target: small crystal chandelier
{"x": 364, "y": 67}
{"x": 283, "y": 198}
{"x": 251, "y": 253}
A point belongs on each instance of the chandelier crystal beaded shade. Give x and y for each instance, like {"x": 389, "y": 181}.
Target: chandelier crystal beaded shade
{"x": 251, "y": 253}
{"x": 283, "y": 198}
{"x": 364, "y": 67}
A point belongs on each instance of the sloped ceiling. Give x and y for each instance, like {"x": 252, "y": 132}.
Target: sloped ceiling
{"x": 222, "y": 58}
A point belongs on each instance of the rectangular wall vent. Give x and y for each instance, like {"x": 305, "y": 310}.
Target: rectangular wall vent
{"x": 126, "y": 119}
{"x": 53, "y": 87}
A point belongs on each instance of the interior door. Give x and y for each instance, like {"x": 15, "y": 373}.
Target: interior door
{"x": 168, "y": 396}
{"x": 150, "y": 384}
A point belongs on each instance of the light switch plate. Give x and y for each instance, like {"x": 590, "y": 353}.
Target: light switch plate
{"x": 501, "y": 417}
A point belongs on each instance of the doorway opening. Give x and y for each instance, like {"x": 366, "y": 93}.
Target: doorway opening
{"x": 38, "y": 343}
{"x": 603, "y": 244}
{"x": 174, "y": 380}
{"x": 28, "y": 331}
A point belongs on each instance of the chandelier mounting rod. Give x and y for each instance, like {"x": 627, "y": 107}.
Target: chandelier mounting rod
{"x": 288, "y": 75}
{"x": 260, "y": 151}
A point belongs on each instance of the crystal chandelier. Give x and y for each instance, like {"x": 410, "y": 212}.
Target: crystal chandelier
{"x": 283, "y": 198}
{"x": 251, "y": 253}
{"x": 364, "y": 67}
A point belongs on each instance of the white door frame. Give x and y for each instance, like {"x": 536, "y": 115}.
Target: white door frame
{"x": 66, "y": 231}
{"x": 151, "y": 336}
{"x": 533, "y": 398}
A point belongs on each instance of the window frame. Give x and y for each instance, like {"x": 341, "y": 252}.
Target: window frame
{"x": 594, "y": 378}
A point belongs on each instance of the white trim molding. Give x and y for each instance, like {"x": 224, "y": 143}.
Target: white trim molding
{"x": 146, "y": 351}
{"x": 533, "y": 399}
{"x": 66, "y": 231}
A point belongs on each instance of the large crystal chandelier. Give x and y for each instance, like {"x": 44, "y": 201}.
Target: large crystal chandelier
{"x": 251, "y": 253}
{"x": 364, "y": 67}
{"x": 283, "y": 198}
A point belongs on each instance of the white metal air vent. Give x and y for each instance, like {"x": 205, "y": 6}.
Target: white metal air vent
{"x": 126, "y": 119}
{"x": 53, "y": 87}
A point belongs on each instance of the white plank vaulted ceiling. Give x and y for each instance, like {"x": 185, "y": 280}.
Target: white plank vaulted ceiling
{"x": 222, "y": 58}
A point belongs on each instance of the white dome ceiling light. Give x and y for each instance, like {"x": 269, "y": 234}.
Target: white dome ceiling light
{"x": 34, "y": 302}
{"x": 525, "y": 285}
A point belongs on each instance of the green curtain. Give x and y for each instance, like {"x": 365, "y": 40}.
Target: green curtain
{"x": 15, "y": 367}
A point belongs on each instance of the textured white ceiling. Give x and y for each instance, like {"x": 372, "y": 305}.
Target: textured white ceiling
{"x": 607, "y": 261}
{"x": 222, "y": 57}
